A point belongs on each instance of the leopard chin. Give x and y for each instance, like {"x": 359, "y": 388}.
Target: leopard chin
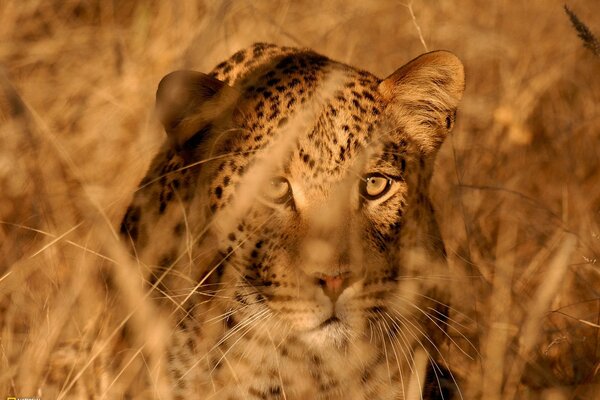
{"x": 333, "y": 332}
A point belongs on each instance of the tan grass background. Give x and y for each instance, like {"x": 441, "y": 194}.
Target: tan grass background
{"x": 517, "y": 185}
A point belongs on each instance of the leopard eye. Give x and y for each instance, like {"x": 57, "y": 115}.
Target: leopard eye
{"x": 278, "y": 190}
{"x": 373, "y": 186}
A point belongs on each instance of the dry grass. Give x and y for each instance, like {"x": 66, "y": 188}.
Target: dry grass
{"x": 517, "y": 186}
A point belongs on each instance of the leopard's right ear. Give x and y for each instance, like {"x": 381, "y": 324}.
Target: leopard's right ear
{"x": 187, "y": 101}
{"x": 423, "y": 96}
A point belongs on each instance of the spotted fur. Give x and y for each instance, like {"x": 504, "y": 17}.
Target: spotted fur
{"x": 325, "y": 293}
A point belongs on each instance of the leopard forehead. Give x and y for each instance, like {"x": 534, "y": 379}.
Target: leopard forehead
{"x": 339, "y": 123}
{"x": 341, "y": 134}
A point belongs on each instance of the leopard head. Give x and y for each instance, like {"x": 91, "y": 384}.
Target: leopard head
{"x": 307, "y": 183}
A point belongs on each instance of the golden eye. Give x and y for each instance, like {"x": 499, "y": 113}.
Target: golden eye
{"x": 278, "y": 190}
{"x": 373, "y": 186}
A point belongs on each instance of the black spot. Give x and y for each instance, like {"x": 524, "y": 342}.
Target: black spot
{"x": 368, "y": 95}
{"x": 220, "y": 271}
{"x": 231, "y": 236}
{"x": 129, "y": 226}
{"x": 448, "y": 122}
{"x": 284, "y": 62}
{"x": 215, "y": 363}
{"x": 365, "y": 376}
{"x": 257, "y": 393}
{"x": 238, "y": 57}
{"x": 259, "y": 106}
{"x": 226, "y": 181}
{"x": 229, "y": 322}
{"x": 258, "y": 50}
{"x": 166, "y": 260}
{"x": 179, "y": 228}
{"x": 218, "y": 192}
{"x": 275, "y": 390}
{"x": 240, "y": 299}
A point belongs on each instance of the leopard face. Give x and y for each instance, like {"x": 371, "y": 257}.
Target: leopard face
{"x": 291, "y": 198}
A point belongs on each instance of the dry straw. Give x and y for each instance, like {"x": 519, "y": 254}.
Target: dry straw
{"x": 516, "y": 186}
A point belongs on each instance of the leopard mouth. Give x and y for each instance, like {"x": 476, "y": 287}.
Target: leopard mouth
{"x": 330, "y": 321}
{"x": 331, "y": 332}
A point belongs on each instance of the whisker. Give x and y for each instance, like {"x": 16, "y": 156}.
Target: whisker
{"x": 400, "y": 372}
{"x": 252, "y": 322}
{"x": 432, "y": 344}
{"x": 407, "y": 356}
{"x": 434, "y": 319}
{"x": 387, "y": 361}
{"x": 230, "y": 333}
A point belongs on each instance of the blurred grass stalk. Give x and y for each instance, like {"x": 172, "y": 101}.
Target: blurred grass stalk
{"x": 77, "y": 132}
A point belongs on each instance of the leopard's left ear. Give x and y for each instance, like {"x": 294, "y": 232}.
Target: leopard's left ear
{"x": 423, "y": 96}
{"x": 187, "y": 101}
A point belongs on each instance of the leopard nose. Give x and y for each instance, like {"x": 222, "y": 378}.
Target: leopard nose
{"x": 333, "y": 285}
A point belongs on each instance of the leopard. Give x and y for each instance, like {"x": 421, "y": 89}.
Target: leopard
{"x": 287, "y": 225}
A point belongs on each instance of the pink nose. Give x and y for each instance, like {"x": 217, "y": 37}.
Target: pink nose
{"x": 333, "y": 286}
{"x": 333, "y": 283}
